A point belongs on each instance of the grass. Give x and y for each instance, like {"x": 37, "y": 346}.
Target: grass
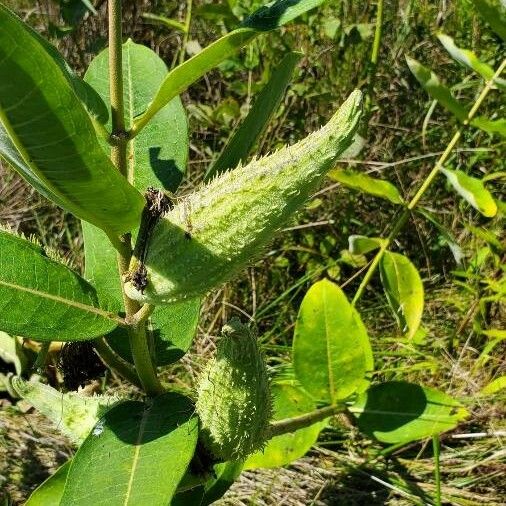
{"x": 404, "y": 137}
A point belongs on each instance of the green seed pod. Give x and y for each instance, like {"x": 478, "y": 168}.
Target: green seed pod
{"x": 234, "y": 401}
{"x": 213, "y": 233}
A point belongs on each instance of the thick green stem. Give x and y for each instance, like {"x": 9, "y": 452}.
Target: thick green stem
{"x": 119, "y": 138}
{"x": 406, "y": 213}
{"x": 114, "y": 361}
{"x": 289, "y": 425}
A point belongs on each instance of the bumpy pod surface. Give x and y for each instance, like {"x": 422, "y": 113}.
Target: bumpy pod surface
{"x": 213, "y": 233}
{"x": 234, "y": 401}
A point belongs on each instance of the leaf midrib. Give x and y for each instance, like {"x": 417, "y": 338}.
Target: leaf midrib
{"x": 68, "y": 302}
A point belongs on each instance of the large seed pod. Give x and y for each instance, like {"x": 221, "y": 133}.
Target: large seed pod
{"x": 211, "y": 234}
{"x": 234, "y": 401}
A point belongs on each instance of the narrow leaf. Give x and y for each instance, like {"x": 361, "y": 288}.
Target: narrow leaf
{"x": 179, "y": 79}
{"x": 143, "y": 449}
{"x": 400, "y": 412}
{"x": 404, "y": 290}
{"x": 473, "y": 191}
{"x": 43, "y": 299}
{"x": 50, "y": 492}
{"x": 47, "y": 135}
{"x": 244, "y": 138}
{"x": 167, "y": 22}
{"x": 289, "y": 401}
{"x": 331, "y": 350}
{"x": 438, "y": 91}
{"x": 366, "y": 184}
{"x": 494, "y": 13}
{"x": 469, "y": 59}
{"x": 494, "y": 386}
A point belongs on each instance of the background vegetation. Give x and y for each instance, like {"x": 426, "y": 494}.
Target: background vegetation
{"x": 462, "y": 349}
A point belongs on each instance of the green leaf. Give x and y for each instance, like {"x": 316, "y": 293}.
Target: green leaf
{"x": 438, "y": 91}
{"x": 242, "y": 141}
{"x": 50, "y": 492}
{"x": 72, "y": 414}
{"x": 473, "y": 191}
{"x": 171, "y": 328}
{"x": 399, "y": 412}
{"x": 47, "y": 135}
{"x": 289, "y": 401}
{"x": 141, "y": 449}
{"x": 158, "y": 156}
{"x": 360, "y": 244}
{"x": 167, "y": 22}
{"x": 404, "y": 290}
{"x": 494, "y": 386}
{"x": 494, "y": 13}
{"x": 43, "y": 299}
{"x": 469, "y": 59}
{"x": 366, "y": 184}
{"x": 179, "y": 79}
{"x": 226, "y": 474}
{"x": 277, "y": 13}
{"x": 331, "y": 350}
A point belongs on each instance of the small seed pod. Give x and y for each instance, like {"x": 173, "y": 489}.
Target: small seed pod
{"x": 213, "y": 233}
{"x": 234, "y": 401}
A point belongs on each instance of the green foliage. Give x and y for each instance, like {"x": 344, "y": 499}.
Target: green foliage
{"x": 404, "y": 290}
{"x": 400, "y": 412}
{"x": 494, "y": 13}
{"x": 142, "y": 448}
{"x": 34, "y": 135}
{"x": 331, "y": 351}
{"x": 43, "y": 299}
{"x": 50, "y": 492}
{"x": 289, "y": 401}
{"x": 234, "y": 399}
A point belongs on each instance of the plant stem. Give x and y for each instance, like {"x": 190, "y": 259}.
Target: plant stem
{"x": 114, "y": 361}
{"x": 142, "y": 315}
{"x": 186, "y": 35}
{"x": 406, "y": 213}
{"x": 437, "y": 471}
{"x": 40, "y": 361}
{"x": 299, "y": 422}
{"x": 137, "y": 332}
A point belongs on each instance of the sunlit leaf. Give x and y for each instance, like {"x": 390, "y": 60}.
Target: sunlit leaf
{"x": 289, "y": 401}
{"x": 494, "y": 386}
{"x": 11, "y": 352}
{"x": 47, "y": 135}
{"x": 400, "y": 412}
{"x": 367, "y": 184}
{"x": 43, "y": 299}
{"x": 331, "y": 350}
{"x": 404, "y": 290}
{"x": 360, "y": 244}
{"x": 473, "y": 191}
{"x": 143, "y": 449}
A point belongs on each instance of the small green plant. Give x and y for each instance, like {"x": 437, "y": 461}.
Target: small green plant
{"x": 112, "y": 149}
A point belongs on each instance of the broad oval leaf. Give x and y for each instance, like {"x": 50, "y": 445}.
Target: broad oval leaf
{"x": 43, "y": 299}
{"x": 136, "y": 454}
{"x": 47, "y": 135}
{"x": 494, "y": 13}
{"x": 400, "y": 412}
{"x": 158, "y": 156}
{"x": 404, "y": 290}
{"x": 366, "y": 184}
{"x": 289, "y": 401}
{"x": 242, "y": 141}
{"x": 50, "y": 492}
{"x": 473, "y": 191}
{"x": 331, "y": 351}
{"x": 179, "y": 79}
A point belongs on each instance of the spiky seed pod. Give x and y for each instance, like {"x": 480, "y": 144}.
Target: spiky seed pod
{"x": 234, "y": 401}
{"x": 213, "y": 233}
